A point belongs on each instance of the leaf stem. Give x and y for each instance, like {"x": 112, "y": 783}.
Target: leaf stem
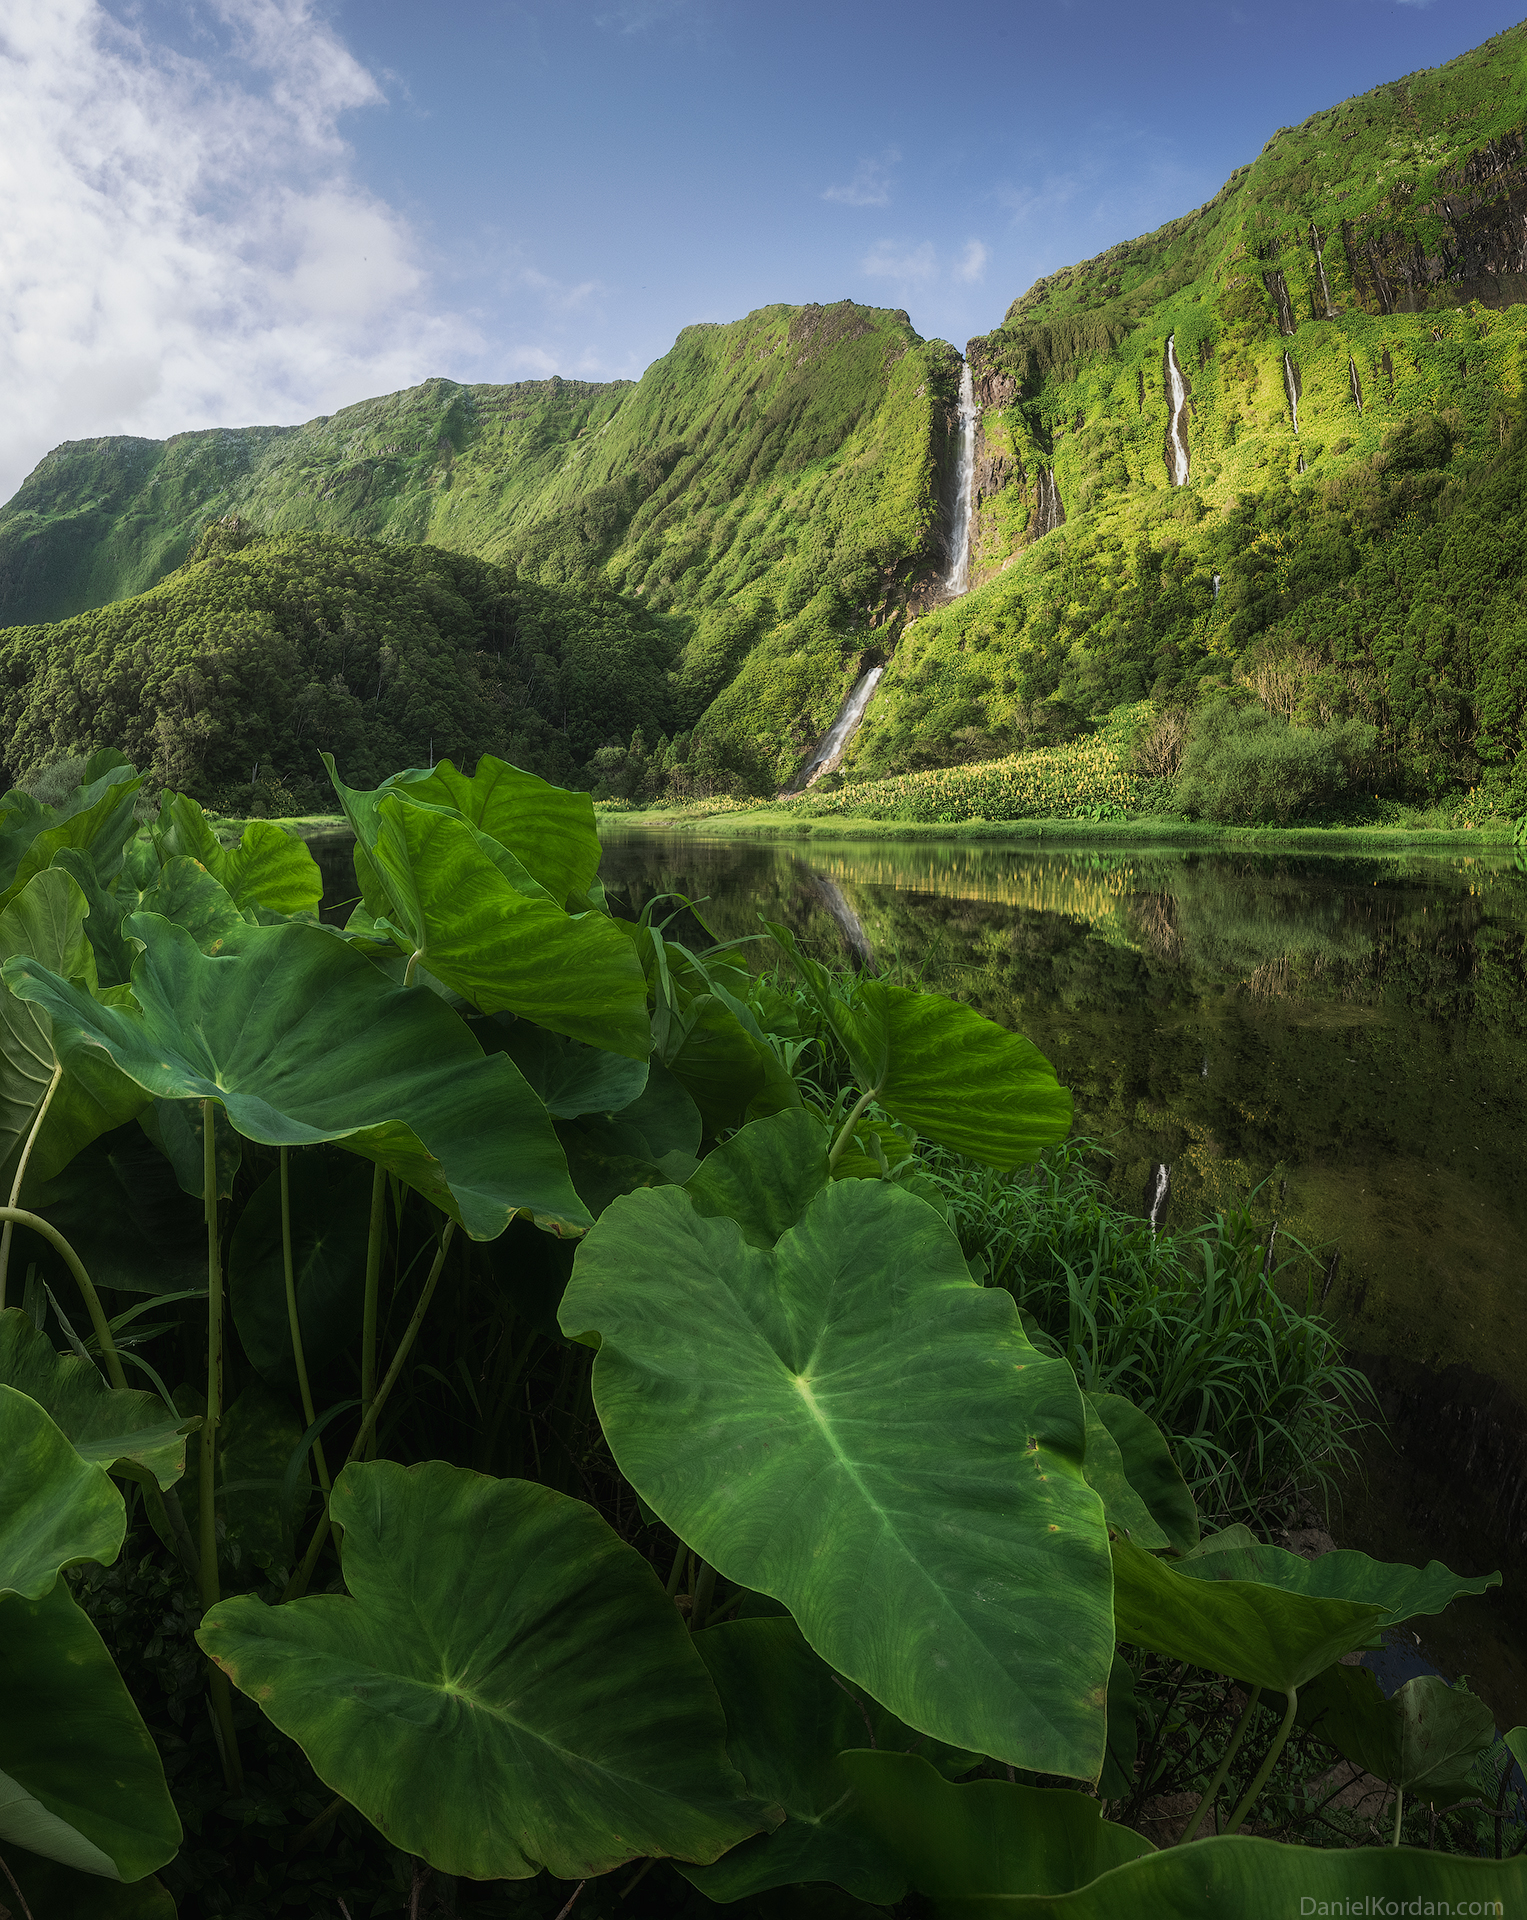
{"x": 217, "y": 1680}
{"x": 1279, "y": 1739}
{"x": 846, "y": 1132}
{"x": 1222, "y": 1769}
{"x": 297, "y": 1585}
{"x": 21, "y": 1174}
{"x": 19, "y": 1216}
{"x": 375, "y": 1239}
{"x": 292, "y": 1316}
{"x": 1399, "y": 1811}
{"x": 705, "y": 1592}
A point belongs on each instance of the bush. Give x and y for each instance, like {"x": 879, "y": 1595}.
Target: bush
{"x": 1245, "y": 767}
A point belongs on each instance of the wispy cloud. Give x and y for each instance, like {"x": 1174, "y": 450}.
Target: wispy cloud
{"x": 972, "y": 265}
{"x": 186, "y": 243}
{"x": 557, "y": 294}
{"x": 871, "y": 184}
{"x": 898, "y": 260}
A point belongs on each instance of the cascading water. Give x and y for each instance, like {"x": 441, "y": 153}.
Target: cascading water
{"x": 1320, "y": 269}
{"x": 834, "y": 743}
{"x": 1292, "y": 388}
{"x": 1357, "y": 385}
{"x": 957, "y": 580}
{"x": 1177, "y": 426}
{"x": 1157, "y": 1192}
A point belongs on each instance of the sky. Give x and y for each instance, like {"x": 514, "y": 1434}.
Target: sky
{"x": 230, "y": 212}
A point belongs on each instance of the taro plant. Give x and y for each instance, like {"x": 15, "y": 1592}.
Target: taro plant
{"x": 603, "y": 1450}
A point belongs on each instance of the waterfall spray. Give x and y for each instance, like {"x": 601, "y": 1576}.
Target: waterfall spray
{"x": 957, "y": 579}
{"x": 1177, "y": 390}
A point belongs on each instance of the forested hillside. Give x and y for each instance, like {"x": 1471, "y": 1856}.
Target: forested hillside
{"x": 1350, "y": 538}
{"x": 1275, "y": 451}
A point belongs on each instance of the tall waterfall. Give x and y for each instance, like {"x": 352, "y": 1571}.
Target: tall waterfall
{"x": 957, "y": 580}
{"x": 1357, "y": 385}
{"x": 1320, "y": 269}
{"x": 1177, "y": 425}
{"x": 834, "y": 743}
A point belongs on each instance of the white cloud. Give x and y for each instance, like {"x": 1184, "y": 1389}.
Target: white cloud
{"x": 871, "y": 184}
{"x": 557, "y": 294}
{"x": 972, "y": 262}
{"x": 897, "y": 260}
{"x": 182, "y": 241}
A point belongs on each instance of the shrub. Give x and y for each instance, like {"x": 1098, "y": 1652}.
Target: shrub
{"x": 1245, "y": 767}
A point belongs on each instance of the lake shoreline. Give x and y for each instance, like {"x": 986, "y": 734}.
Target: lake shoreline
{"x": 1162, "y": 832}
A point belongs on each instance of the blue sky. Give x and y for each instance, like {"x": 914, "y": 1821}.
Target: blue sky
{"x": 218, "y": 212}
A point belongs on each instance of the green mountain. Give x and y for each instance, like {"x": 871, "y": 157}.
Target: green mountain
{"x": 1276, "y": 448}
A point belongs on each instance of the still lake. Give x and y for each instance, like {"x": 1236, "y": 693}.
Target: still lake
{"x": 1339, "y": 1042}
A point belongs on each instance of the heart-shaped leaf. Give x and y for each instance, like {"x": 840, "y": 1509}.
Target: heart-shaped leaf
{"x": 942, "y": 1067}
{"x": 269, "y": 867}
{"x": 98, "y": 819}
{"x": 55, "y": 1508}
{"x": 788, "y": 1717}
{"x": 1424, "y": 1737}
{"x": 765, "y": 1176}
{"x": 550, "y": 829}
{"x": 80, "y": 1779}
{"x": 878, "y": 1446}
{"x": 108, "y": 1426}
{"x": 302, "y": 1040}
{"x": 507, "y": 1688}
{"x": 1265, "y": 1635}
{"x": 571, "y": 1078}
{"x": 330, "y": 1211}
{"x": 986, "y": 1836}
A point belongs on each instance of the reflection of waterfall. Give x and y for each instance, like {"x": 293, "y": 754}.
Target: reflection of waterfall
{"x": 830, "y": 896}
{"x": 834, "y": 743}
{"x": 1320, "y": 270}
{"x": 957, "y": 579}
{"x": 1157, "y": 1192}
{"x": 1292, "y": 388}
{"x": 1357, "y": 385}
{"x": 1175, "y": 383}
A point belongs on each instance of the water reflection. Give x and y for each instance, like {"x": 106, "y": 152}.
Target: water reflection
{"x": 1344, "y": 1040}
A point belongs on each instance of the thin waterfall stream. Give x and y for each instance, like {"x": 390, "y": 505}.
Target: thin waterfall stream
{"x": 830, "y": 749}
{"x": 1178, "y": 460}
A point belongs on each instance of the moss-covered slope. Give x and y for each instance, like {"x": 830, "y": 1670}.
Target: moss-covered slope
{"x": 1365, "y": 271}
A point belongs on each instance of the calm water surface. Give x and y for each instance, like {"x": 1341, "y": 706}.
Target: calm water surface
{"x": 1340, "y": 1042}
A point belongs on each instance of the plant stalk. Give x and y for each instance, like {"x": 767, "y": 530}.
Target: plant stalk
{"x": 19, "y": 1216}
{"x": 298, "y": 1584}
{"x": 846, "y": 1131}
{"x": 1280, "y": 1738}
{"x": 1399, "y": 1811}
{"x": 1222, "y": 1769}
{"x": 308, "y": 1414}
{"x": 21, "y": 1174}
{"x": 374, "y": 1244}
{"x": 705, "y": 1592}
{"x": 217, "y": 1680}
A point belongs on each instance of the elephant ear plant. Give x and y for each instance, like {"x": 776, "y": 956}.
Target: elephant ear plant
{"x": 609, "y": 1455}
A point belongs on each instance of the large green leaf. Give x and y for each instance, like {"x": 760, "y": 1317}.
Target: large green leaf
{"x": 765, "y": 1176}
{"x": 571, "y": 1078}
{"x": 986, "y": 1836}
{"x": 80, "y": 1778}
{"x": 63, "y": 1893}
{"x": 731, "y": 1075}
{"x": 846, "y": 1422}
{"x": 269, "y": 867}
{"x": 788, "y": 1718}
{"x": 330, "y": 1210}
{"x": 551, "y": 830}
{"x": 120, "y": 1206}
{"x": 1237, "y": 1875}
{"x": 98, "y": 819}
{"x": 109, "y": 1426}
{"x": 945, "y": 1069}
{"x": 188, "y": 895}
{"x": 46, "y": 920}
{"x": 1402, "y": 1592}
{"x": 508, "y": 1686}
{"x": 1267, "y": 1636}
{"x": 1150, "y": 1469}
{"x": 1424, "y": 1737}
{"x": 302, "y": 1040}
{"x": 1123, "y": 1508}
{"x": 56, "y": 1509}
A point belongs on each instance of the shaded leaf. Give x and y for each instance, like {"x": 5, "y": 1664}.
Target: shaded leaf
{"x": 120, "y": 1206}
{"x": 508, "y": 1687}
{"x": 1123, "y": 1508}
{"x": 1150, "y": 1469}
{"x": 256, "y": 1440}
{"x": 56, "y": 1509}
{"x": 1424, "y": 1737}
{"x": 570, "y": 1077}
{"x": 303, "y": 1040}
{"x": 1402, "y": 1592}
{"x": 108, "y": 1426}
{"x": 62, "y": 1893}
{"x": 1118, "y": 1777}
{"x": 765, "y": 1176}
{"x": 882, "y": 1450}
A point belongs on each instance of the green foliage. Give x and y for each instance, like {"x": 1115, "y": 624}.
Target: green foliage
{"x": 1246, "y": 767}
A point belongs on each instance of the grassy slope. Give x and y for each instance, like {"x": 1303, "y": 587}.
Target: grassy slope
{"x": 773, "y": 483}
{"x": 1119, "y": 602}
